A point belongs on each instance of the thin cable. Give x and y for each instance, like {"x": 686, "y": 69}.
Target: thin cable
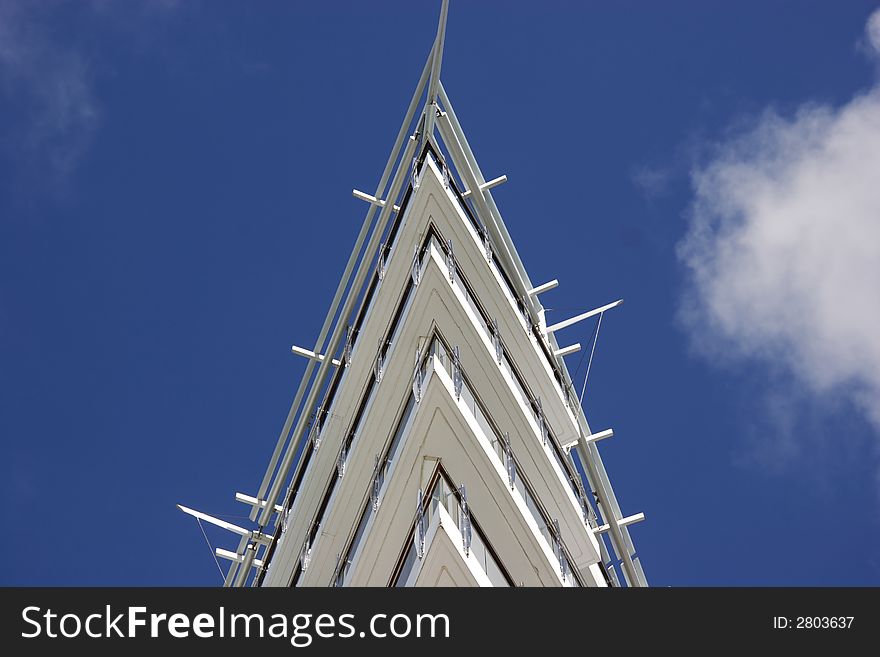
{"x": 580, "y": 362}
{"x": 590, "y": 363}
{"x": 211, "y": 548}
{"x": 583, "y": 355}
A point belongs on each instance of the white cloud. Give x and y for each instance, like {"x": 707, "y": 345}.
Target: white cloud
{"x": 50, "y": 85}
{"x": 652, "y": 181}
{"x": 783, "y": 250}
{"x": 872, "y": 29}
{"x": 47, "y": 78}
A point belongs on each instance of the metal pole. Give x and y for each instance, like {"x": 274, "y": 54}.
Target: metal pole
{"x": 434, "y": 80}
{"x": 380, "y": 189}
{"x": 325, "y": 366}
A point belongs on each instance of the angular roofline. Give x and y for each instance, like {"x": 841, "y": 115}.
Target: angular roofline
{"x": 437, "y": 114}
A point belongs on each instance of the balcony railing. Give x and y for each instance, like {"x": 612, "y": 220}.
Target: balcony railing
{"x": 445, "y": 494}
{"x": 548, "y": 528}
{"x": 544, "y": 523}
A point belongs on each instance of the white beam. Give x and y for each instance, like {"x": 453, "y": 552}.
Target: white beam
{"x": 595, "y": 437}
{"x": 623, "y": 522}
{"x": 253, "y": 501}
{"x": 570, "y": 349}
{"x": 592, "y": 438}
{"x": 631, "y": 520}
{"x": 487, "y": 185}
{"x": 582, "y": 317}
{"x": 544, "y": 287}
{"x": 241, "y": 531}
{"x": 371, "y": 199}
{"x": 299, "y": 351}
{"x": 233, "y": 556}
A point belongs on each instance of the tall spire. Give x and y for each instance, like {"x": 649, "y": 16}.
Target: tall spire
{"x": 436, "y": 63}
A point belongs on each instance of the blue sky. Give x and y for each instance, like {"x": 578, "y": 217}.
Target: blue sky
{"x": 176, "y": 210}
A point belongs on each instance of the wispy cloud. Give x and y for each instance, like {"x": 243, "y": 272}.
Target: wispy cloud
{"x": 652, "y": 181}
{"x": 47, "y": 80}
{"x": 872, "y": 31}
{"x": 48, "y": 85}
{"x": 783, "y": 248}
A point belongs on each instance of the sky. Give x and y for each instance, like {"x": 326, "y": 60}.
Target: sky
{"x": 176, "y": 211}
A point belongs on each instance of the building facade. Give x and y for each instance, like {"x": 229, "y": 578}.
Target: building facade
{"x": 436, "y": 438}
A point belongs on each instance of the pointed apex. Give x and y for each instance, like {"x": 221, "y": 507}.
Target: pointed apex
{"x": 437, "y": 53}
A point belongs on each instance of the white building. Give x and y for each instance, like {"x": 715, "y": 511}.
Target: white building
{"x": 442, "y": 441}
